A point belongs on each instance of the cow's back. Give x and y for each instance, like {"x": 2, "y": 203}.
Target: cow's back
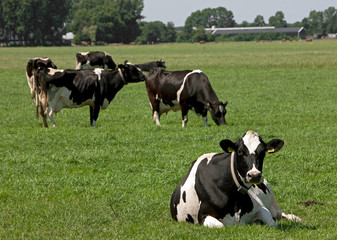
{"x": 197, "y": 88}
{"x": 165, "y": 83}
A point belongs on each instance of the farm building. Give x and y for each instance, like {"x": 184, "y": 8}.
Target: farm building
{"x": 296, "y": 32}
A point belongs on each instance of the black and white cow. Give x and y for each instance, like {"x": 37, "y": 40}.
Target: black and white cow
{"x": 183, "y": 90}
{"x": 32, "y": 66}
{"x": 99, "y": 59}
{"x": 228, "y": 188}
{"x": 151, "y": 66}
{"x": 77, "y": 88}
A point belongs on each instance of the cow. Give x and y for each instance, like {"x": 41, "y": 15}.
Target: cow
{"x": 76, "y": 88}
{"x": 183, "y": 90}
{"x": 228, "y": 188}
{"x": 150, "y": 66}
{"x": 32, "y": 66}
{"x": 100, "y": 59}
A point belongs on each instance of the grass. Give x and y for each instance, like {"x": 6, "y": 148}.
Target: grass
{"x": 115, "y": 181}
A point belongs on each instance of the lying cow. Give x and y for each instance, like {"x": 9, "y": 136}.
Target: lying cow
{"x": 32, "y": 66}
{"x": 77, "y": 88}
{"x": 98, "y": 59}
{"x": 228, "y": 188}
{"x": 151, "y": 66}
{"x": 183, "y": 90}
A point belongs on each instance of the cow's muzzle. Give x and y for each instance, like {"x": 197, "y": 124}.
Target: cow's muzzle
{"x": 254, "y": 177}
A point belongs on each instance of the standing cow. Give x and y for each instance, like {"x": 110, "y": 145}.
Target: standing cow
{"x": 183, "y": 90}
{"x": 77, "y": 88}
{"x": 100, "y": 59}
{"x": 32, "y": 66}
{"x": 228, "y": 188}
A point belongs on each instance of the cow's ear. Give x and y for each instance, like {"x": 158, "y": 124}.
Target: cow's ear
{"x": 53, "y": 65}
{"x": 227, "y": 145}
{"x": 274, "y": 145}
{"x": 121, "y": 66}
{"x": 225, "y": 104}
{"x": 208, "y": 105}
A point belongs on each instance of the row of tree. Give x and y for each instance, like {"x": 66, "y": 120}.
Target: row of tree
{"x": 318, "y": 22}
{"x": 43, "y": 22}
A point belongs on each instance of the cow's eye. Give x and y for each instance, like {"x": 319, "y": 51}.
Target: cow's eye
{"x": 240, "y": 152}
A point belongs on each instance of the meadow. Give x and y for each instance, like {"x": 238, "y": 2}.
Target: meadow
{"x": 115, "y": 181}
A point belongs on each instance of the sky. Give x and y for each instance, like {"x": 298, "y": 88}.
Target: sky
{"x": 177, "y": 11}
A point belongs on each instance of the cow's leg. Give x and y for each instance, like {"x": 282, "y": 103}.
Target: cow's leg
{"x": 204, "y": 118}
{"x": 184, "y": 114}
{"x": 95, "y": 116}
{"x": 91, "y": 110}
{"x": 156, "y": 117}
{"x": 32, "y": 87}
{"x": 36, "y": 101}
{"x": 34, "y": 95}
{"x": 43, "y": 116}
{"x": 291, "y": 217}
{"x": 51, "y": 117}
{"x": 212, "y": 222}
{"x": 43, "y": 108}
{"x": 266, "y": 217}
{"x": 155, "y": 110}
{"x": 275, "y": 210}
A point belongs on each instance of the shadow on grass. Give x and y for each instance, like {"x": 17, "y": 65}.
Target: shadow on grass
{"x": 293, "y": 225}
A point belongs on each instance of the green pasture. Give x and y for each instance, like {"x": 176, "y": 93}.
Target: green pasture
{"x": 115, "y": 181}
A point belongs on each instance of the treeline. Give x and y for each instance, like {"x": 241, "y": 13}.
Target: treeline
{"x": 317, "y": 23}
{"x": 43, "y": 22}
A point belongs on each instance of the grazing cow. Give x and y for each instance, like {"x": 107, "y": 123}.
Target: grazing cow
{"x": 32, "y": 66}
{"x": 150, "y": 66}
{"x": 228, "y": 188}
{"x": 101, "y": 59}
{"x": 184, "y": 90}
{"x": 77, "y": 88}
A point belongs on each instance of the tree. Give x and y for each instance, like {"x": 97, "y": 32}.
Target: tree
{"x": 218, "y": 17}
{"x": 34, "y": 21}
{"x": 278, "y": 20}
{"x": 330, "y": 20}
{"x": 315, "y": 23}
{"x": 130, "y": 14}
{"x": 244, "y": 24}
{"x": 170, "y": 34}
{"x": 115, "y": 21}
{"x": 199, "y": 35}
{"x": 259, "y": 21}
{"x": 154, "y": 32}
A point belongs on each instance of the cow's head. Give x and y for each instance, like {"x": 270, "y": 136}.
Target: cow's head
{"x": 109, "y": 62}
{"x": 161, "y": 63}
{"x": 249, "y": 152}
{"x": 43, "y": 63}
{"x": 218, "y": 112}
{"x": 131, "y": 72}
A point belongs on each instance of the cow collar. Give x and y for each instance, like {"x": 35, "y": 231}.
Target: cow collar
{"x": 243, "y": 189}
{"x": 121, "y": 75}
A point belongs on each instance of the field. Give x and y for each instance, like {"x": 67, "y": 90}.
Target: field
{"x": 115, "y": 181}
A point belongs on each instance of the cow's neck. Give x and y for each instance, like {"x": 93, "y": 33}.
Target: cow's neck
{"x": 211, "y": 97}
{"x": 242, "y": 188}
